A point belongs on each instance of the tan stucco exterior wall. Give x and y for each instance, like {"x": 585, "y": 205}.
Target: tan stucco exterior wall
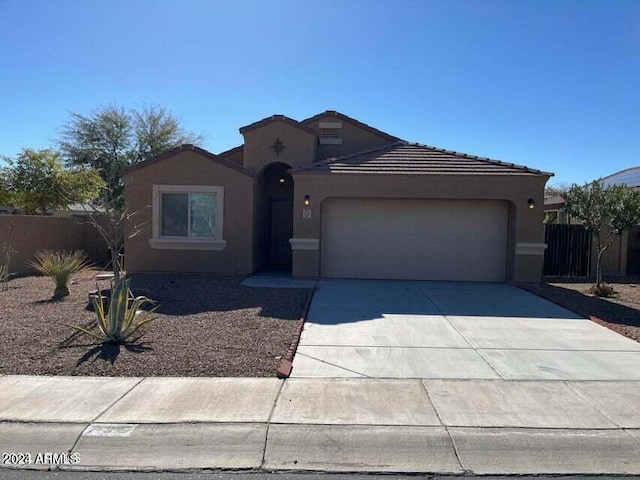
{"x": 191, "y": 168}
{"x": 299, "y": 146}
{"x": 236, "y": 157}
{"x": 525, "y": 224}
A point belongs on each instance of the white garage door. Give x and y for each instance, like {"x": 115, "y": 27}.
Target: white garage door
{"x": 414, "y": 239}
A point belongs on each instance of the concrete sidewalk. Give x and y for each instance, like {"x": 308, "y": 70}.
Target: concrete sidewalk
{"x": 352, "y": 425}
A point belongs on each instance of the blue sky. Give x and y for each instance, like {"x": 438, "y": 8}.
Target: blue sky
{"x": 551, "y": 84}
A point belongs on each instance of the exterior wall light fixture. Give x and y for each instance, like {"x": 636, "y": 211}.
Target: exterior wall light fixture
{"x": 531, "y": 204}
{"x": 307, "y": 200}
{"x": 281, "y": 179}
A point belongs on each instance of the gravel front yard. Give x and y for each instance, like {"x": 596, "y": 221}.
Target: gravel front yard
{"x": 208, "y": 326}
{"x": 620, "y": 313}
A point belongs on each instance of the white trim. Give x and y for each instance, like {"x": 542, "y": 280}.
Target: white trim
{"x": 330, "y": 124}
{"x": 330, "y": 141}
{"x": 187, "y": 243}
{"x": 530, "y": 248}
{"x": 304, "y": 244}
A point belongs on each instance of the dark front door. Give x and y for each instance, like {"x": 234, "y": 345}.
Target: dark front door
{"x": 281, "y": 224}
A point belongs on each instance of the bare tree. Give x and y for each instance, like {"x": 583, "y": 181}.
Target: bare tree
{"x": 5, "y": 272}
{"x": 109, "y": 221}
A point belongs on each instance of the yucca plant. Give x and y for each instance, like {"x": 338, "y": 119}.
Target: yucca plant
{"x": 60, "y": 266}
{"x": 124, "y": 316}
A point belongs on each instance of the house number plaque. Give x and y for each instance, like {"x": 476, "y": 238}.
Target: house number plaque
{"x": 306, "y": 213}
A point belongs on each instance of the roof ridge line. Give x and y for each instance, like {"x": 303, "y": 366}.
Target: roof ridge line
{"x": 277, "y": 117}
{"x": 353, "y": 121}
{"x": 231, "y": 150}
{"x": 186, "y": 147}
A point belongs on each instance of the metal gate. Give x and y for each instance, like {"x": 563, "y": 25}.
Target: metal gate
{"x": 568, "y": 252}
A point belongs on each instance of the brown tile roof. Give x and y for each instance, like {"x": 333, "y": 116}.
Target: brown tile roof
{"x": 353, "y": 121}
{"x": 403, "y": 158}
{"x": 554, "y": 200}
{"x": 231, "y": 151}
{"x": 276, "y": 118}
{"x": 183, "y": 148}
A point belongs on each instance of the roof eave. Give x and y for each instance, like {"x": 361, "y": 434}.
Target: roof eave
{"x": 353, "y": 121}
{"x": 185, "y": 147}
{"x": 276, "y": 118}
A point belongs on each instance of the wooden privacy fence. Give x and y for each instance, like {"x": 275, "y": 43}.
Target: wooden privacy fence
{"x": 568, "y": 252}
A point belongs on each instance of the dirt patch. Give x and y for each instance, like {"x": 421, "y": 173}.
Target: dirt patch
{"x": 208, "y": 325}
{"x": 620, "y": 313}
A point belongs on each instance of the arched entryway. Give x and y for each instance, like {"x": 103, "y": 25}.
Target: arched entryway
{"x": 277, "y": 211}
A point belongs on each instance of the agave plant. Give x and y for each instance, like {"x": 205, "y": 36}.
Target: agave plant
{"x": 124, "y": 316}
{"x": 60, "y": 266}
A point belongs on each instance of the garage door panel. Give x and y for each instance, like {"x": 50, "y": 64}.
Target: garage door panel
{"x": 345, "y": 227}
{"x": 414, "y": 239}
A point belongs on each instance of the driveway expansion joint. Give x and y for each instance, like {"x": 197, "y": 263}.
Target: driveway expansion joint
{"x": 591, "y": 403}
{"x": 446, "y": 428}
{"x": 118, "y": 399}
{"x": 266, "y": 433}
{"x": 332, "y": 364}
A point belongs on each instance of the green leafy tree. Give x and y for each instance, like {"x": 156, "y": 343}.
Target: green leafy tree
{"x": 605, "y": 212}
{"x": 111, "y": 138}
{"x": 37, "y": 182}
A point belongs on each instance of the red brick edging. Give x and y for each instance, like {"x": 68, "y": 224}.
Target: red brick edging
{"x": 286, "y": 362}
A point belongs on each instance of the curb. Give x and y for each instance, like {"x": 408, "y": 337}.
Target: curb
{"x": 477, "y": 460}
{"x": 286, "y": 363}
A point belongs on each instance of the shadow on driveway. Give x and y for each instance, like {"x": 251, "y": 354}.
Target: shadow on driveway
{"x": 345, "y": 301}
{"x": 587, "y": 305}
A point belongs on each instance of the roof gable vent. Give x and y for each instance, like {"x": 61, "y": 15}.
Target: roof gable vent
{"x": 330, "y": 133}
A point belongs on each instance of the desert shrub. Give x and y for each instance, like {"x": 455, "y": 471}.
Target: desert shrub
{"x": 60, "y": 266}
{"x": 124, "y": 315}
{"x": 602, "y": 290}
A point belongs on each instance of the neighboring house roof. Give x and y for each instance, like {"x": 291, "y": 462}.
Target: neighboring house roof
{"x": 82, "y": 207}
{"x": 628, "y": 176}
{"x": 415, "y": 159}
{"x": 276, "y": 118}
{"x": 353, "y": 121}
{"x": 555, "y": 200}
{"x": 185, "y": 148}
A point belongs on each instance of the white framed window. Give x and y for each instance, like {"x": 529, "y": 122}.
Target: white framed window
{"x": 188, "y": 217}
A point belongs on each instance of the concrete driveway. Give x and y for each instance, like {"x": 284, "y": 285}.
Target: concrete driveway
{"x": 413, "y": 329}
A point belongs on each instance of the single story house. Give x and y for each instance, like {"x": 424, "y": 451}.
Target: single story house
{"x": 330, "y": 196}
